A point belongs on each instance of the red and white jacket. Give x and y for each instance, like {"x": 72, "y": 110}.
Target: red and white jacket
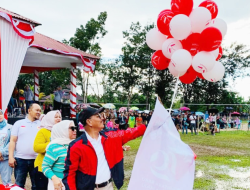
{"x": 81, "y": 161}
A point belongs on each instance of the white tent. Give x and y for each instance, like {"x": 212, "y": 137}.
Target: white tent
{"x": 24, "y": 51}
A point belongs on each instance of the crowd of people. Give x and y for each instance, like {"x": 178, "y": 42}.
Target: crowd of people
{"x": 21, "y": 100}
{"x": 125, "y": 119}
{"x": 212, "y": 123}
{"x": 187, "y": 121}
{"x": 46, "y": 148}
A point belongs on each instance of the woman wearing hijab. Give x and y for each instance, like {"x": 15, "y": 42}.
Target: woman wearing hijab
{"x": 53, "y": 164}
{"x": 41, "y": 141}
{"x": 5, "y": 169}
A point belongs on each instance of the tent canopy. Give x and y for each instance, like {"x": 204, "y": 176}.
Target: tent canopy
{"x": 23, "y": 50}
{"x": 46, "y": 54}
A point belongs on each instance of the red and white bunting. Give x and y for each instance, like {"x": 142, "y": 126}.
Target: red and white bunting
{"x": 36, "y": 85}
{"x": 88, "y": 64}
{"x": 73, "y": 91}
{"x": 22, "y": 28}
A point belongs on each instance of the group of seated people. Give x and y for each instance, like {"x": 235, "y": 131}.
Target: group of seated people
{"x": 229, "y": 122}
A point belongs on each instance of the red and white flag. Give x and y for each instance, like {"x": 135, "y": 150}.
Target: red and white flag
{"x": 163, "y": 161}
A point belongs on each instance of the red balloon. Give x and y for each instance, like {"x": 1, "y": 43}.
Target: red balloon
{"x": 182, "y": 6}
{"x": 211, "y": 39}
{"x": 165, "y": 10}
{"x": 159, "y": 61}
{"x": 192, "y": 43}
{"x": 220, "y": 53}
{"x": 189, "y": 76}
{"x": 200, "y": 76}
{"x": 163, "y": 21}
{"x": 211, "y": 6}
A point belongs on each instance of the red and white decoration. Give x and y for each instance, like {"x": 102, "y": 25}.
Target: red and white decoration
{"x": 23, "y": 29}
{"x": 190, "y": 39}
{"x": 10, "y": 187}
{"x": 36, "y": 85}
{"x": 88, "y": 64}
{"x": 73, "y": 90}
{"x": 15, "y": 38}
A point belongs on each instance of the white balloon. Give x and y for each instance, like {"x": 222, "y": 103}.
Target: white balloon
{"x": 155, "y": 39}
{"x": 181, "y": 60}
{"x": 203, "y": 62}
{"x": 219, "y": 24}
{"x": 215, "y": 52}
{"x": 174, "y": 72}
{"x": 170, "y": 46}
{"x": 216, "y": 74}
{"x": 180, "y": 26}
{"x": 199, "y": 17}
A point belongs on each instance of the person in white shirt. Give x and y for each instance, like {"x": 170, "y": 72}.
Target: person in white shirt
{"x": 22, "y": 138}
{"x": 96, "y": 157}
{"x": 192, "y": 119}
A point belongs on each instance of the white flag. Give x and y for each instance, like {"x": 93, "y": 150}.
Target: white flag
{"x": 163, "y": 161}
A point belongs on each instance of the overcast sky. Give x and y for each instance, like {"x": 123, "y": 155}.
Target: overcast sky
{"x": 60, "y": 18}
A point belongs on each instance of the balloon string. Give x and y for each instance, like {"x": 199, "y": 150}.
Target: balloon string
{"x": 175, "y": 92}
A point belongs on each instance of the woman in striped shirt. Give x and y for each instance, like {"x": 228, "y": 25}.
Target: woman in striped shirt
{"x": 53, "y": 164}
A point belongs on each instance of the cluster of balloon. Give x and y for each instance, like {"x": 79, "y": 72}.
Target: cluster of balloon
{"x": 188, "y": 41}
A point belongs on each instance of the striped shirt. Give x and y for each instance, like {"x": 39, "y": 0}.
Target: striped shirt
{"x": 54, "y": 160}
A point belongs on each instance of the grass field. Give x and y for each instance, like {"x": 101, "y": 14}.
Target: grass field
{"x": 223, "y": 160}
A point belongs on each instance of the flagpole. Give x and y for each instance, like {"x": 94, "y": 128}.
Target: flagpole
{"x": 175, "y": 92}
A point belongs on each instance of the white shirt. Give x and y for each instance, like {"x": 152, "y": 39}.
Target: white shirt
{"x": 192, "y": 118}
{"x": 103, "y": 172}
{"x": 25, "y": 131}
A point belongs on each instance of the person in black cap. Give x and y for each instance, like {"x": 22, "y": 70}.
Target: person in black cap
{"x": 96, "y": 157}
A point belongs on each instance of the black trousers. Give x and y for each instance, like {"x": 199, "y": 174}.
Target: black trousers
{"x": 41, "y": 180}
{"x": 57, "y": 105}
{"x": 28, "y": 105}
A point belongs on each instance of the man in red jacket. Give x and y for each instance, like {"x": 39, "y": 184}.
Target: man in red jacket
{"x": 96, "y": 157}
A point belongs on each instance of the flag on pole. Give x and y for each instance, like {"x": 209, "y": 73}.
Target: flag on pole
{"x": 163, "y": 161}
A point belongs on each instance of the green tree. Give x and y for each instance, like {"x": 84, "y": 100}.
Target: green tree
{"x": 164, "y": 86}
{"x": 235, "y": 60}
{"x": 132, "y": 61}
{"x": 133, "y": 70}
{"x": 48, "y": 80}
{"x": 87, "y": 38}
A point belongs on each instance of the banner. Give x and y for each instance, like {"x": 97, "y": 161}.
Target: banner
{"x": 163, "y": 161}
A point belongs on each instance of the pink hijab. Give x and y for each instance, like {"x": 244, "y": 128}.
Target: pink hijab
{"x": 49, "y": 119}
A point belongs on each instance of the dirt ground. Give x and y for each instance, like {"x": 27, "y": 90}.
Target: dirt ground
{"x": 216, "y": 169}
